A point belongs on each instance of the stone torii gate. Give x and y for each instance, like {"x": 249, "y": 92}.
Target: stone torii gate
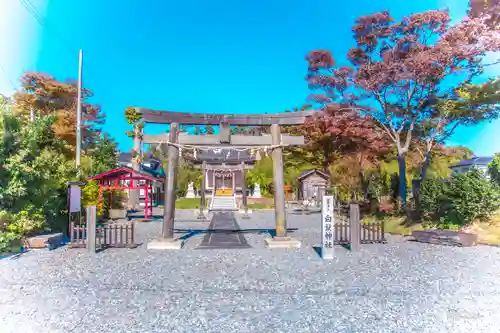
{"x": 276, "y": 141}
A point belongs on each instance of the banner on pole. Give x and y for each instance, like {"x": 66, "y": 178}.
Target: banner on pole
{"x": 327, "y": 227}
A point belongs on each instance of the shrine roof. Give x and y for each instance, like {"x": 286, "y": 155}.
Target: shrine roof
{"x": 307, "y": 173}
{"x": 121, "y": 171}
{"x": 222, "y": 155}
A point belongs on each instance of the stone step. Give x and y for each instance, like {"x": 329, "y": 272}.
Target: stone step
{"x": 50, "y": 241}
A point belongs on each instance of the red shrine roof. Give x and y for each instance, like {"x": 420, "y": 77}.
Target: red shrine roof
{"x": 123, "y": 171}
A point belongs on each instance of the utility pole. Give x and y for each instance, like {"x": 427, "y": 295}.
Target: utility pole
{"x": 79, "y": 112}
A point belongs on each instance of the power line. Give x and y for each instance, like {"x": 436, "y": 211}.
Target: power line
{"x": 28, "y": 5}
{"x": 8, "y": 77}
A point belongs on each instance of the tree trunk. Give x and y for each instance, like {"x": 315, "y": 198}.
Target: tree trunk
{"x": 364, "y": 185}
{"x": 402, "y": 179}
{"x": 416, "y": 198}
{"x": 425, "y": 165}
{"x": 416, "y": 184}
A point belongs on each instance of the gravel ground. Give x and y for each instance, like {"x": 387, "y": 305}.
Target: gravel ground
{"x": 398, "y": 287}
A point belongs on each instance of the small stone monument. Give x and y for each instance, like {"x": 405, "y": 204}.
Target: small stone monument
{"x": 190, "y": 191}
{"x": 256, "y": 191}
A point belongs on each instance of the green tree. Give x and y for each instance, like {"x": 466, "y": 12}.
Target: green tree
{"x": 103, "y": 157}
{"x": 468, "y": 105}
{"x": 262, "y": 174}
{"x": 494, "y": 170}
{"x": 432, "y": 193}
{"x": 471, "y": 196}
{"x": 34, "y": 170}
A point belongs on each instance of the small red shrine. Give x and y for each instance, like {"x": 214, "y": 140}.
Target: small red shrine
{"x": 123, "y": 179}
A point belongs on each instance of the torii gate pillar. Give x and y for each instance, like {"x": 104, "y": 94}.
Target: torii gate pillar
{"x": 167, "y": 241}
{"x": 280, "y": 240}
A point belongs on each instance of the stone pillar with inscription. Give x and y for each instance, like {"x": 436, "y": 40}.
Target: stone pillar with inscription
{"x": 327, "y": 227}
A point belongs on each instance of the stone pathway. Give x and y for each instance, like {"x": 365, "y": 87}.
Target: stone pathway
{"x": 224, "y": 233}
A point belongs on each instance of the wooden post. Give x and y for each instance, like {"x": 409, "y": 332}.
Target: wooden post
{"x": 146, "y": 201}
{"x": 91, "y": 228}
{"x": 135, "y": 194}
{"x": 278, "y": 182}
{"x": 354, "y": 227}
{"x": 170, "y": 184}
{"x": 234, "y": 183}
{"x": 202, "y": 190}
{"x": 100, "y": 195}
{"x": 213, "y": 185}
{"x": 244, "y": 188}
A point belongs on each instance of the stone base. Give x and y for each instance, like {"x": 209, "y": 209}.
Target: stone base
{"x": 445, "y": 237}
{"x": 197, "y": 214}
{"x": 165, "y": 244}
{"x": 282, "y": 243}
{"x": 50, "y": 241}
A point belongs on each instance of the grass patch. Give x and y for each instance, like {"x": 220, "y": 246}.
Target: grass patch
{"x": 260, "y": 205}
{"x": 395, "y": 224}
{"x": 187, "y": 203}
{"x": 194, "y": 203}
{"x": 488, "y": 232}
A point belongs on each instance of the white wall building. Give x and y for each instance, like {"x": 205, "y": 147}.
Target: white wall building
{"x": 480, "y": 163}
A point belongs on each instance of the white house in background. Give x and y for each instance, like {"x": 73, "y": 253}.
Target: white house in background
{"x": 480, "y": 163}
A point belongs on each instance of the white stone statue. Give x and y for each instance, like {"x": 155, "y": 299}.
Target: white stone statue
{"x": 190, "y": 191}
{"x": 256, "y": 191}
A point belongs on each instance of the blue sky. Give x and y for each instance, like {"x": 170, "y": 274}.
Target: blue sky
{"x": 199, "y": 56}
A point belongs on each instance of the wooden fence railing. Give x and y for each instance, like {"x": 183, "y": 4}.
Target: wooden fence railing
{"x": 372, "y": 232}
{"x": 100, "y": 237}
{"x": 348, "y": 227}
{"x": 109, "y": 235}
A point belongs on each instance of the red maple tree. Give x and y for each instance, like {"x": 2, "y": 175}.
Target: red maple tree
{"x": 342, "y": 132}
{"x": 398, "y": 69}
{"x": 43, "y": 95}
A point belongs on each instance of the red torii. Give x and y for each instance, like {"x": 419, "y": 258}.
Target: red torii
{"x": 111, "y": 180}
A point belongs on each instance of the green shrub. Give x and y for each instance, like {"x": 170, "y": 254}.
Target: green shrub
{"x": 470, "y": 196}
{"x": 90, "y": 196}
{"x": 494, "y": 170}
{"x": 432, "y": 194}
{"x": 6, "y": 241}
{"x": 14, "y": 226}
{"x": 27, "y": 222}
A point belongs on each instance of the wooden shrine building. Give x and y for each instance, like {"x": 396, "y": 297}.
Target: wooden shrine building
{"x": 312, "y": 185}
{"x": 124, "y": 178}
{"x": 222, "y": 170}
